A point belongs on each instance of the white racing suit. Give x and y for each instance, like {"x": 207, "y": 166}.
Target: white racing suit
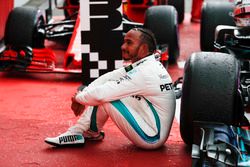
{"x": 138, "y": 98}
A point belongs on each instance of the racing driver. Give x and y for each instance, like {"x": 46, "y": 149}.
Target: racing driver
{"x": 139, "y": 99}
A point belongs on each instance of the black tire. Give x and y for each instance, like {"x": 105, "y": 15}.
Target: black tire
{"x": 213, "y": 14}
{"x": 180, "y": 7}
{"x": 162, "y": 21}
{"x": 24, "y": 28}
{"x": 209, "y": 91}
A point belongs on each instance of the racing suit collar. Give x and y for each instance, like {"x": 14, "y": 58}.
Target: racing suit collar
{"x": 137, "y": 63}
{"x": 149, "y": 57}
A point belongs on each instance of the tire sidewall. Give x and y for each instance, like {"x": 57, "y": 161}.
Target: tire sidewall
{"x": 162, "y": 21}
{"x": 22, "y": 27}
{"x": 209, "y": 91}
{"x": 213, "y": 14}
{"x": 180, "y": 7}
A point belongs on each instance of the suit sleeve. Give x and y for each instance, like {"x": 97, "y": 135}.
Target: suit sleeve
{"x": 113, "y": 75}
{"x": 129, "y": 84}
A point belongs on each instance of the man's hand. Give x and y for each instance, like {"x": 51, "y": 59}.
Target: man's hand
{"x": 76, "y": 107}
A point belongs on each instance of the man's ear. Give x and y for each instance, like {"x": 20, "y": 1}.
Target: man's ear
{"x": 143, "y": 49}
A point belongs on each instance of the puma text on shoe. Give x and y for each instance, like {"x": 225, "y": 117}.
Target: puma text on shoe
{"x": 66, "y": 139}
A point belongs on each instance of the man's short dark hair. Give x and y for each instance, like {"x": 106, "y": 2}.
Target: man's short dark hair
{"x": 148, "y": 37}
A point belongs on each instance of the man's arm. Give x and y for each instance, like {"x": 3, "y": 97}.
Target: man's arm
{"x": 128, "y": 85}
{"x": 113, "y": 75}
{"x": 77, "y": 107}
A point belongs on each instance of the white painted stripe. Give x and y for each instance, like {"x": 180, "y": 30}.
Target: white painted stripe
{"x": 94, "y": 73}
{"x": 99, "y": 17}
{"x": 85, "y": 48}
{"x": 102, "y": 65}
{"x": 93, "y": 56}
{"x": 98, "y": 3}
{"x": 85, "y": 15}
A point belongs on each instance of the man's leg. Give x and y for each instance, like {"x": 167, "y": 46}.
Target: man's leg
{"x": 139, "y": 121}
{"x": 88, "y": 126}
{"x": 91, "y": 123}
{"x": 136, "y": 118}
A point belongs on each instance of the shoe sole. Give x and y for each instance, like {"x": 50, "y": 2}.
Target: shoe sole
{"x": 65, "y": 145}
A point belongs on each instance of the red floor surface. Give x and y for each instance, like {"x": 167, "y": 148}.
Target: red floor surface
{"x": 34, "y": 106}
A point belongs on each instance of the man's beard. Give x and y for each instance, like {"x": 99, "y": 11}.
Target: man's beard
{"x": 130, "y": 57}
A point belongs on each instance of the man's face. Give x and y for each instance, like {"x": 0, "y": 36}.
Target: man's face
{"x": 131, "y": 45}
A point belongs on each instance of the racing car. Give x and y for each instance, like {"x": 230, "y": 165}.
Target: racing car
{"x": 216, "y": 85}
{"x": 26, "y": 49}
